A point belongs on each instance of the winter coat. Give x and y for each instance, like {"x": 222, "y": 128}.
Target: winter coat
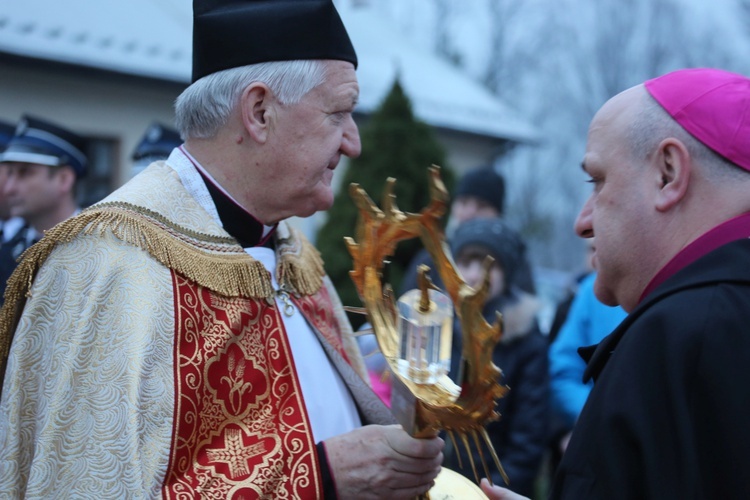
{"x": 668, "y": 415}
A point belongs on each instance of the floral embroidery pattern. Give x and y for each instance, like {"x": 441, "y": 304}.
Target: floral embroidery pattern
{"x": 241, "y": 429}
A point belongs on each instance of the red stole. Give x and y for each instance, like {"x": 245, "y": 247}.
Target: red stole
{"x": 318, "y": 310}
{"x": 240, "y": 425}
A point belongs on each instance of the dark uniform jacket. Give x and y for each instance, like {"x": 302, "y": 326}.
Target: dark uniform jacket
{"x": 669, "y": 415}
{"x": 11, "y": 250}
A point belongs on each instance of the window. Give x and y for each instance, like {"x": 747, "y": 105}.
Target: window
{"x": 99, "y": 181}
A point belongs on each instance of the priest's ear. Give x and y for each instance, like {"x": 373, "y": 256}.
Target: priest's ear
{"x": 673, "y": 168}
{"x": 257, "y": 106}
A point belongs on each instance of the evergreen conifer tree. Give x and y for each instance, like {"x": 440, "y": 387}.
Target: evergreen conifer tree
{"x": 394, "y": 144}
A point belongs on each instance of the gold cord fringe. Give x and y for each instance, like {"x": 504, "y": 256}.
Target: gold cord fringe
{"x": 301, "y": 271}
{"x": 211, "y": 262}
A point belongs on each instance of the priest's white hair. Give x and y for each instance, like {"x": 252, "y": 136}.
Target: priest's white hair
{"x": 204, "y": 107}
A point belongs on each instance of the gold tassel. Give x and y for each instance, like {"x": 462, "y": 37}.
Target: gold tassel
{"x": 215, "y": 262}
{"x": 301, "y": 266}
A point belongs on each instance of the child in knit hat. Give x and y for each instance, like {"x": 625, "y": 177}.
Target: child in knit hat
{"x": 519, "y": 437}
{"x": 480, "y": 193}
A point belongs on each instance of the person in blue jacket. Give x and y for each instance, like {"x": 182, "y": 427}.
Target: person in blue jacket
{"x": 587, "y": 323}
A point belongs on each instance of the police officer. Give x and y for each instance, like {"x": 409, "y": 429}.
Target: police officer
{"x": 43, "y": 162}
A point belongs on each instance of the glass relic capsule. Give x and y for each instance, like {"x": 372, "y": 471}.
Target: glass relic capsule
{"x": 425, "y": 335}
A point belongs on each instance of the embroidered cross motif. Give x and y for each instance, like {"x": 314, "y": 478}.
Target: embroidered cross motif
{"x": 235, "y": 454}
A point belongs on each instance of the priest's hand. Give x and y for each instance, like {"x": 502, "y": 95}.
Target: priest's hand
{"x": 378, "y": 461}
{"x": 498, "y": 493}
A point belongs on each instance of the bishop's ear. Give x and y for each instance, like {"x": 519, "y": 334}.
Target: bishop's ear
{"x": 674, "y": 167}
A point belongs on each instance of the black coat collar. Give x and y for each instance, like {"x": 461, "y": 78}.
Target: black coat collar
{"x": 725, "y": 264}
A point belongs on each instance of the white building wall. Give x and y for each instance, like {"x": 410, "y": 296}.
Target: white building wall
{"x": 89, "y": 104}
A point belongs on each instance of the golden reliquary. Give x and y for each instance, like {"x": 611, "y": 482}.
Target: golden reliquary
{"x": 414, "y": 332}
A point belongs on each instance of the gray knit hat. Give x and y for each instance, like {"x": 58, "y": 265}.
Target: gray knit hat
{"x": 483, "y": 183}
{"x": 500, "y": 240}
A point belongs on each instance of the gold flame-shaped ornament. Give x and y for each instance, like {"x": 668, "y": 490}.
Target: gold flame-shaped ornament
{"x": 424, "y": 409}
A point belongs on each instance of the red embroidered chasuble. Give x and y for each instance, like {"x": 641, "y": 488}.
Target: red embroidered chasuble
{"x": 240, "y": 427}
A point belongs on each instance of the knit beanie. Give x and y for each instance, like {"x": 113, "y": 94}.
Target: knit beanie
{"x": 502, "y": 242}
{"x": 483, "y": 183}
